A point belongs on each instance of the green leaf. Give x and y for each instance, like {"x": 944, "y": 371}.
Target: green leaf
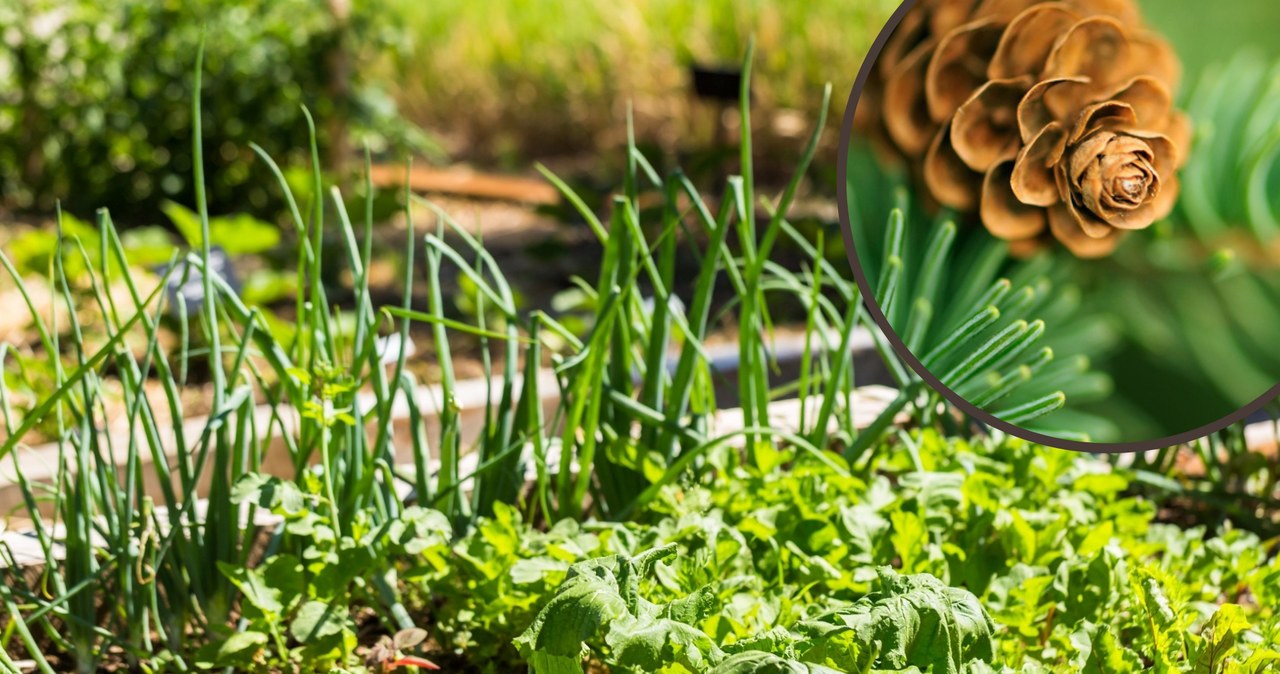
{"x": 647, "y": 645}
{"x": 936, "y": 495}
{"x": 185, "y": 221}
{"x": 1161, "y": 621}
{"x": 527, "y": 571}
{"x": 317, "y": 620}
{"x": 1097, "y": 651}
{"x": 770, "y": 457}
{"x": 833, "y": 646}
{"x": 266, "y": 286}
{"x": 1220, "y": 635}
{"x": 237, "y": 650}
{"x": 1097, "y": 538}
{"x": 1086, "y": 586}
{"x": 863, "y": 528}
{"x": 587, "y": 601}
{"x": 909, "y": 537}
{"x": 243, "y": 234}
{"x": 1262, "y": 660}
{"x": 757, "y": 662}
{"x": 147, "y": 246}
{"x": 254, "y": 588}
{"x": 918, "y": 621}
{"x": 541, "y": 662}
{"x": 268, "y": 492}
{"x": 694, "y": 608}
{"x": 283, "y": 574}
{"x": 240, "y": 234}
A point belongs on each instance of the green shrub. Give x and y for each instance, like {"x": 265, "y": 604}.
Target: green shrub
{"x": 96, "y": 102}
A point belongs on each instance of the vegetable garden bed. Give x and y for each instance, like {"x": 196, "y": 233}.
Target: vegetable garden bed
{"x": 608, "y": 514}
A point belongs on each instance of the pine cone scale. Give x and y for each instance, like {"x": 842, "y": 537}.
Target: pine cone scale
{"x": 1030, "y": 39}
{"x": 1149, "y": 98}
{"x": 1010, "y": 216}
{"x": 958, "y": 67}
{"x": 1091, "y": 48}
{"x": 1050, "y": 101}
{"x": 1067, "y": 228}
{"x": 985, "y": 128}
{"x": 912, "y": 128}
{"x": 1032, "y": 180}
{"x": 950, "y": 180}
{"x": 1100, "y": 115}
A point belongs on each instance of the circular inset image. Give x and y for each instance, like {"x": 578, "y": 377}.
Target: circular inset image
{"x": 1066, "y": 215}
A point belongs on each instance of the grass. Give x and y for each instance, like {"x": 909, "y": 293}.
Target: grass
{"x": 538, "y": 78}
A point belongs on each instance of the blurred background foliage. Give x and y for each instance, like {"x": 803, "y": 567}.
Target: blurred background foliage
{"x": 540, "y": 78}
{"x": 94, "y": 95}
{"x": 1206, "y": 34}
{"x": 95, "y": 100}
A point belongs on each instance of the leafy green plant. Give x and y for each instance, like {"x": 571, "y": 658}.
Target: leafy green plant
{"x": 236, "y": 234}
{"x": 296, "y": 606}
{"x": 31, "y": 251}
{"x": 496, "y": 578}
{"x": 1007, "y": 557}
{"x": 907, "y": 621}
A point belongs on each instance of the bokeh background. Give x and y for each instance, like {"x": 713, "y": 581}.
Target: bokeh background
{"x": 94, "y": 108}
{"x": 95, "y": 103}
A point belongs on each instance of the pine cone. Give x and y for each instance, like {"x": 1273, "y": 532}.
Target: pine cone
{"x": 1041, "y": 117}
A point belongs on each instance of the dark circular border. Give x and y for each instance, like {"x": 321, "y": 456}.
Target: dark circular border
{"x": 846, "y": 137}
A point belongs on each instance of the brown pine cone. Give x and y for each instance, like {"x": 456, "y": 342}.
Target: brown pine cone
{"x": 1042, "y": 117}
